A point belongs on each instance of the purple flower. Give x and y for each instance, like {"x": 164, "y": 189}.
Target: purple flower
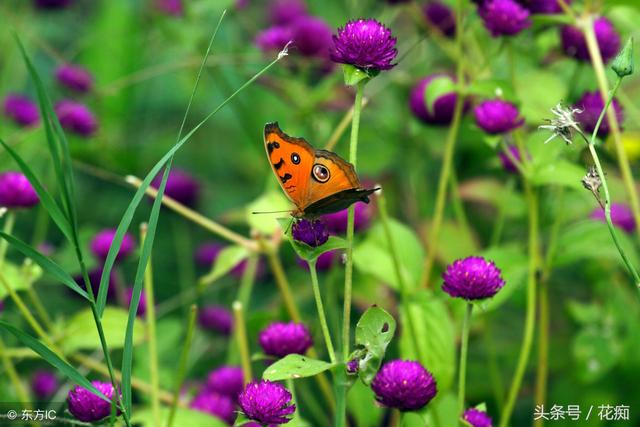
{"x": 496, "y": 116}
{"x": 312, "y": 36}
{"x": 313, "y": 233}
{"x": 142, "y": 304}
{"x": 352, "y": 366}
{"x": 74, "y": 77}
{"x": 504, "y": 17}
{"x": 181, "y": 187}
{"x": 266, "y": 402}
{"x": 472, "y": 278}
{"x": 507, "y": 164}
{"x": 216, "y": 318}
{"x": 591, "y": 105}
{"x": 52, "y": 4}
{"x": 76, "y": 117}
{"x": 545, "y": 6}
{"x": 44, "y": 384}
{"x": 101, "y": 244}
{"x": 170, "y": 7}
{"x": 323, "y": 262}
{"x": 21, "y": 110}
{"x": 286, "y": 12}
{"x": 477, "y": 418}
{"x": 441, "y": 16}
{"x": 16, "y": 191}
{"x": 273, "y": 38}
{"x": 337, "y": 222}
{"x": 575, "y": 44}
{"x": 215, "y": 404}
{"x": 279, "y": 339}
{"x": 442, "y": 109}
{"x": 227, "y": 381}
{"x": 404, "y": 384}
{"x": 366, "y": 44}
{"x": 621, "y": 216}
{"x": 88, "y": 407}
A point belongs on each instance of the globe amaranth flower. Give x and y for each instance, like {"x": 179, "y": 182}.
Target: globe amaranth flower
{"x": 441, "y": 112}
{"x": 16, "y": 191}
{"x": 181, "y": 187}
{"x": 337, "y": 222}
{"x": 273, "y": 38}
{"x": 506, "y": 160}
{"x": 311, "y": 36}
{"x": 216, "y": 318}
{"x": 311, "y": 232}
{"x": 323, "y": 263}
{"x": 22, "y": 110}
{"x": 366, "y": 44}
{"x": 504, "y": 17}
{"x": 574, "y": 42}
{"x": 52, "y": 4}
{"x": 86, "y": 406}
{"x": 44, "y": 384}
{"x": 101, "y": 244}
{"x": 496, "y": 116}
{"x": 546, "y": 7}
{"x": 226, "y": 380}
{"x": 472, "y": 278}
{"x": 286, "y": 12}
{"x": 74, "y": 77}
{"x": 404, "y": 384}
{"x": 76, "y": 117}
{"x": 621, "y": 216}
{"x": 279, "y": 339}
{"x": 477, "y": 418}
{"x": 266, "y": 402}
{"x": 590, "y": 105}
{"x": 353, "y": 366}
{"x": 142, "y": 303}
{"x": 170, "y": 7}
{"x": 215, "y": 404}
{"x": 440, "y": 16}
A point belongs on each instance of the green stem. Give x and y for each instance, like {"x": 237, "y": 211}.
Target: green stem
{"x": 498, "y": 226}
{"x": 282, "y": 282}
{"x": 248, "y": 280}
{"x": 319, "y": 306}
{"x": 494, "y": 371}
{"x": 542, "y": 372}
{"x": 462, "y": 372}
{"x": 240, "y": 329}
{"x": 458, "y": 205}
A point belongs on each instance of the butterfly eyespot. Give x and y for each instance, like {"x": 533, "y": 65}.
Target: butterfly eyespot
{"x": 320, "y": 173}
{"x": 295, "y": 158}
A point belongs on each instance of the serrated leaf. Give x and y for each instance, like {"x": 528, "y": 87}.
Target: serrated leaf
{"x": 374, "y": 332}
{"x": 295, "y": 366}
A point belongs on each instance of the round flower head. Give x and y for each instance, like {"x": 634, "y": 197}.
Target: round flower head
{"x": 22, "y": 110}
{"x": 16, "y": 191}
{"x": 273, "y": 39}
{"x": 313, "y": 233}
{"x": 286, "y": 12}
{"x": 266, "y": 402}
{"x": 404, "y": 384}
{"x": 352, "y": 366}
{"x": 101, "y": 244}
{"x": 88, "y": 407}
{"x": 52, "y": 4}
{"x": 621, "y": 216}
{"x": 545, "y": 6}
{"x": 44, "y": 384}
{"x": 477, "y": 418}
{"x": 170, "y": 7}
{"x": 142, "y": 304}
{"x": 279, "y": 339}
{"x": 504, "y": 17}
{"x": 441, "y": 16}
{"x": 591, "y": 105}
{"x": 337, "y": 222}
{"x": 74, "y": 77}
{"x": 472, "y": 278}
{"x": 227, "y": 381}
{"x": 506, "y": 161}
{"x": 496, "y": 116}
{"x": 575, "y": 44}
{"x": 323, "y": 262}
{"x": 215, "y": 404}
{"x": 181, "y": 187}
{"x": 216, "y": 318}
{"x": 442, "y": 109}
{"x": 311, "y": 36}
{"x": 366, "y": 44}
{"x": 76, "y": 117}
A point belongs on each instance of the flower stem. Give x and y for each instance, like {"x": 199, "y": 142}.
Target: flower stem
{"x": 282, "y": 282}
{"x": 542, "y": 373}
{"x": 462, "y": 372}
{"x": 240, "y": 329}
{"x": 321, "y": 315}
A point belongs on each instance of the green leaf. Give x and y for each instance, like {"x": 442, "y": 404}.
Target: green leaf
{"x": 595, "y": 352}
{"x": 354, "y": 75}
{"x": 50, "y": 267}
{"x": 270, "y": 201}
{"x": 305, "y": 251}
{"x": 294, "y": 366}
{"x": 182, "y": 417}
{"x": 374, "y": 332}
{"x": 514, "y": 264}
{"x": 80, "y": 332}
{"x": 436, "y": 88}
{"x": 561, "y": 172}
{"x": 360, "y": 402}
{"x": 372, "y": 255}
{"x": 493, "y": 88}
{"x": 19, "y": 278}
{"x": 228, "y": 258}
{"x": 583, "y": 313}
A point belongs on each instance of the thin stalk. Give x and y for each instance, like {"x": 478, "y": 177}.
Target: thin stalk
{"x": 283, "y": 283}
{"x": 11, "y": 372}
{"x": 248, "y": 280}
{"x": 542, "y": 371}
{"x": 458, "y": 205}
{"x": 240, "y": 329}
{"x": 321, "y": 315}
{"x": 42, "y": 312}
{"x": 462, "y": 372}
{"x": 7, "y": 228}
{"x": 498, "y": 226}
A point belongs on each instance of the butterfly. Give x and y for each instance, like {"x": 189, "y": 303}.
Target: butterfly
{"x": 317, "y": 181}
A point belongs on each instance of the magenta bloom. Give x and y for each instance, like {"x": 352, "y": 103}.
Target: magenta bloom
{"x": 404, "y": 384}
{"x": 591, "y": 105}
{"x": 496, "y": 116}
{"x": 181, "y": 187}
{"x": 323, "y": 262}
{"x": 546, "y": 7}
{"x": 88, "y": 407}
{"x": 216, "y": 318}
{"x": 273, "y": 39}
{"x": 313, "y": 233}
{"x": 507, "y": 164}
{"x": 16, "y": 191}
{"x": 227, "y": 381}
{"x": 286, "y": 12}
{"x": 443, "y": 107}
{"x": 74, "y": 77}
{"x": 441, "y": 16}
{"x": 170, "y": 7}
{"x": 52, "y": 4}
{"x": 215, "y": 404}
{"x": 44, "y": 384}
{"x": 621, "y": 216}
{"x": 472, "y": 278}
{"x": 311, "y": 36}
{"x": 76, "y": 117}
{"x": 574, "y": 43}
{"x": 279, "y": 339}
{"x": 337, "y": 222}
{"x": 142, "y": 304}
{"x": 267, "y": 402}
{"x": 504, "y": 17}
{"x": 477, "y": 418}
{"x": 101, "y": 244}
{"x": 366, "y": 44}
{"x": 22, "y": 110}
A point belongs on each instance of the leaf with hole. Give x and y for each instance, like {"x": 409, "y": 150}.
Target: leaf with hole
{"x": 374, "y": 332}
{"x": 294, "y": 366}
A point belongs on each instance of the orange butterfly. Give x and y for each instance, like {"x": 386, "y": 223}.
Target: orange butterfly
{"x": 317, "y": 181}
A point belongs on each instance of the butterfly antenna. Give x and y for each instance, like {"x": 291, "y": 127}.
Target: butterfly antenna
{"x": 269, "y": 212}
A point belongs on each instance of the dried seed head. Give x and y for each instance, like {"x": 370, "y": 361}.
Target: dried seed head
{"x": 591, "y": 180}
{"x": 563, "y": 124}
